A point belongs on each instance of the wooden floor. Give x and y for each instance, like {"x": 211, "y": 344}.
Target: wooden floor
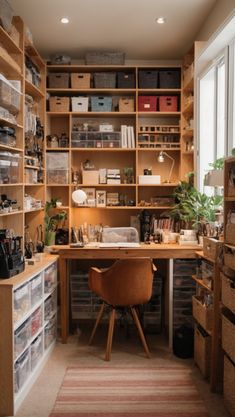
{"x": 126, "y": 350}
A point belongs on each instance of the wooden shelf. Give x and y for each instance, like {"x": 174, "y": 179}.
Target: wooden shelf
{"x": 159, "y": 114}
{"x": 10, "y": 124}
{"x": 11, "y": 213}
{"x": 9, "y": 44}
{"x": 32, "y": 90}
{"x": 12, "y": 70}
{"x": 33, "y": 54}
{"x": 199, "y": 281}
{"x": 103, "y": 149}
{"x": 33, "y": 210}
{"x": 116, "y": 91}
{"x": 11, "y": 148}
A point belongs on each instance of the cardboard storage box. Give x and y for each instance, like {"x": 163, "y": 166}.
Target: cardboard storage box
{"x": 149, "y": 179}
{"x": 90, "y": 177}
{"x": 126, "y": 104}
{"x": 147, "y": 103}
{"x": 168, "y": 103}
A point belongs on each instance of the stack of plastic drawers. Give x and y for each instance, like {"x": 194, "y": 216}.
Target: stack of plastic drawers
{"x": 184, "y": 288}
{"x": 152, "y": 317}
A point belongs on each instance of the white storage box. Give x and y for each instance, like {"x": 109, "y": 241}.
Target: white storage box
{"x": 150, "y": 179}
{"x": 80, "y": 104}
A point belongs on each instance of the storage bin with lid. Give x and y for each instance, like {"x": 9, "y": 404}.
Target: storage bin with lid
{"x": 9, "y": 95}
{"x": 9, "y": 167}
{"x": 57, "y": 167}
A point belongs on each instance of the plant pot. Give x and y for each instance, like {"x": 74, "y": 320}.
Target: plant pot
{"x": 50, "y": 238}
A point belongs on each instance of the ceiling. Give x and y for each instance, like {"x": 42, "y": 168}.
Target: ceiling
{"x": 114, "y": 25}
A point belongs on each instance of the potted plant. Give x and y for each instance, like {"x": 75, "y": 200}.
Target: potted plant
{"x": 215, "y": 177}
{"x": 52, "y": 221}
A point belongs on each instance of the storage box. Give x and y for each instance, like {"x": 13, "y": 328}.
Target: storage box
{"x": 90, "y": 177}
{"x": 36, "y": 351}
{"x": 21, "y": 370}
{"x": 101, "y": 104}
{"x": 202, "y": 351}
{"x": 229, "y": 256}
{"x": 80, "y": 80}
{"x": 104, "y": 79}
{"x": 228, "y": 292}
{"x": 210, "y": 247}
{"x": 21, "y": 337}
{"x": 228, "y": 334}
{"x": 36, "y": 289}
{"x": 229, "y": 384}
{"x": 150, "y": 179}
{"x": 230, "y": 233}
{"x": 125, "y": 80}
{"x": 147, "y": 103}
{"x": 9, "y": 167}
{"x": 59, "y": 104}
{"x": 58, "y": 80}
{"x": 9, "y": 96}
{"x": 57, "y": 176}
{"x": 168, "y": 103}
{"x": 21, "y": 302}
{"x": 104, "y": 58}
{"x": 50, "y": 278}
{"x": 30, "y": 176}
{"x": 80, "y": 104}
{"x": 50, "y": 332}
{"x": 202, "y": 314}
{"x": 36, "y": 321}
{"x": 169, "y": 78}
{"x": 126, "y": 104}
{"x": 50, "y": 306}
{"x": 148, "y": 79}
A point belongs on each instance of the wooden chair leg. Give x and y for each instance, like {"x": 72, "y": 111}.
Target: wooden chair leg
{"x": 140, "y": 330}
{"x": 100, "y": 314}
{"x": 110, "y": 334}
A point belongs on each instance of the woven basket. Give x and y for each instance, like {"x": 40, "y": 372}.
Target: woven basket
{"x": 202, "y": 314}
{"x": 59, "y": 104}
{"x": 105, "y": 80}
{"x": 104, "y": 58}
{"x": 126, "y": 104}
{"x": 229, "y": 384}
{"x": 202, "y": 352}
{"x": 228, "y": 292}
{"x": 81, "y": 80}
{"x": 228, "y": 335}
{"x": 230, "y": 233}
{"x": 229, "y": 257}
{"x": 58, "y": 80}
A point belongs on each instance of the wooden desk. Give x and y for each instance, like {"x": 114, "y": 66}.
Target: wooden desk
{"x": 154, "y": 251}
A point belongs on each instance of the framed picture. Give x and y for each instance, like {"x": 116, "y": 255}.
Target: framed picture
{"x": 100, "y": 198}
{"x": 90, "y": 200}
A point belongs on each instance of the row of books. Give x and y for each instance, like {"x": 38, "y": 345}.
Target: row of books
{"x": 127, "y": 137}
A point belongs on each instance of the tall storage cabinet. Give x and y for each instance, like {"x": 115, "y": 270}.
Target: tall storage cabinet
{"x": 28, "y": 315}
{"x": 118, "y": 118}
{"x": 228, "y": 285}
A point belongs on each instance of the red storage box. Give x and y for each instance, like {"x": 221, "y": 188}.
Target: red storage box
{"x": 168, "y": 103}
{"x": 147, "y": 103}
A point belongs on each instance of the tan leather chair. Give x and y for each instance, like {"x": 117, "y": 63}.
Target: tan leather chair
{"x": 127, "y": 283}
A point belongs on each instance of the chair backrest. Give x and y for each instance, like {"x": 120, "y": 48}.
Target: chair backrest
{"x": 128, "y": 282}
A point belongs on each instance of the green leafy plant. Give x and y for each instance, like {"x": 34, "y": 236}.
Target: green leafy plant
{"x": 192, "y": 207}
{"x": 217, "y": 164}
{"x": 52, "y": 221}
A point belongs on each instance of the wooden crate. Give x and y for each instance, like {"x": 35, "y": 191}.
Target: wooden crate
{"x": 228, "y": 292}
{"x": 202, "y": 351}
{"x": 202, "y": 314}
{"x": 229, "y": 384}
{"x": 210, "y": 247}
{"x": 228, "y": 334}
{"x": 59, "y": 104}
{"x": 229, "y": 256}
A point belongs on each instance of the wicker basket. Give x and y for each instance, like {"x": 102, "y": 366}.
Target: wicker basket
{"x": 228, "y": 292}
{"x": 202, "y": 351}
{"x": 230, "y": 233}
{"x": 59, "y": 104}
{"x": 105, "y": 80}
{"x": 81, "y": 80}
{"x": 210, "y": 247}
{"x": 228, "y": 335}
{"x": 229, "y": 257}
{"x": 126, "y": 104}
{"x": 58, "y": 80}
{"x": 202, "y": 314}
{"x": 104, "y": 58}
{"x": 229, "y": 384}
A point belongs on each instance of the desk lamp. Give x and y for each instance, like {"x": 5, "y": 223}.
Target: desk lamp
{"x": 161, "y": 159}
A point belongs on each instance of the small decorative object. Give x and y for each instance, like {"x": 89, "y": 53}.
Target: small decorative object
{"x": 128, "y": 175}
{"x": 54, "y": 141}
{"x": 147, "y": 171}
{"x": 100, "y": 198}
{"x": 63, "y": 141}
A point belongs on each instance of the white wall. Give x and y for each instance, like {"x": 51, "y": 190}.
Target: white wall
{"x": 217, "y": 15}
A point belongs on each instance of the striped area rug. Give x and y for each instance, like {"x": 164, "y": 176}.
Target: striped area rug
{"x": 128, "y": 392}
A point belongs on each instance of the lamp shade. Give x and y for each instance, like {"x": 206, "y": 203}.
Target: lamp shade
{"x": 79, "y": 196}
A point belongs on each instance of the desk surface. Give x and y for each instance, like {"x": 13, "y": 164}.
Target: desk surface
{"x": 152, "y": 250}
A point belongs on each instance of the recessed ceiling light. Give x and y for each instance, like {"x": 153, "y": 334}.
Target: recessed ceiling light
{"x": 64, "y": 20}
{"x": 160, "y": 20}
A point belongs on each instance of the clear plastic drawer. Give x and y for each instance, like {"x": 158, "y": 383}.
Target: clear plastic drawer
{"x": 21, "y": 301}
{"x": 36, "y": 321}
{"x": 36, "y": 351}
{"x": 50, "y": 278}
{"x": 36, "y": 289}
{"x": 21, "y": 337}
{"x": 22, "y": 370}
{"x": 50, "y": 332}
